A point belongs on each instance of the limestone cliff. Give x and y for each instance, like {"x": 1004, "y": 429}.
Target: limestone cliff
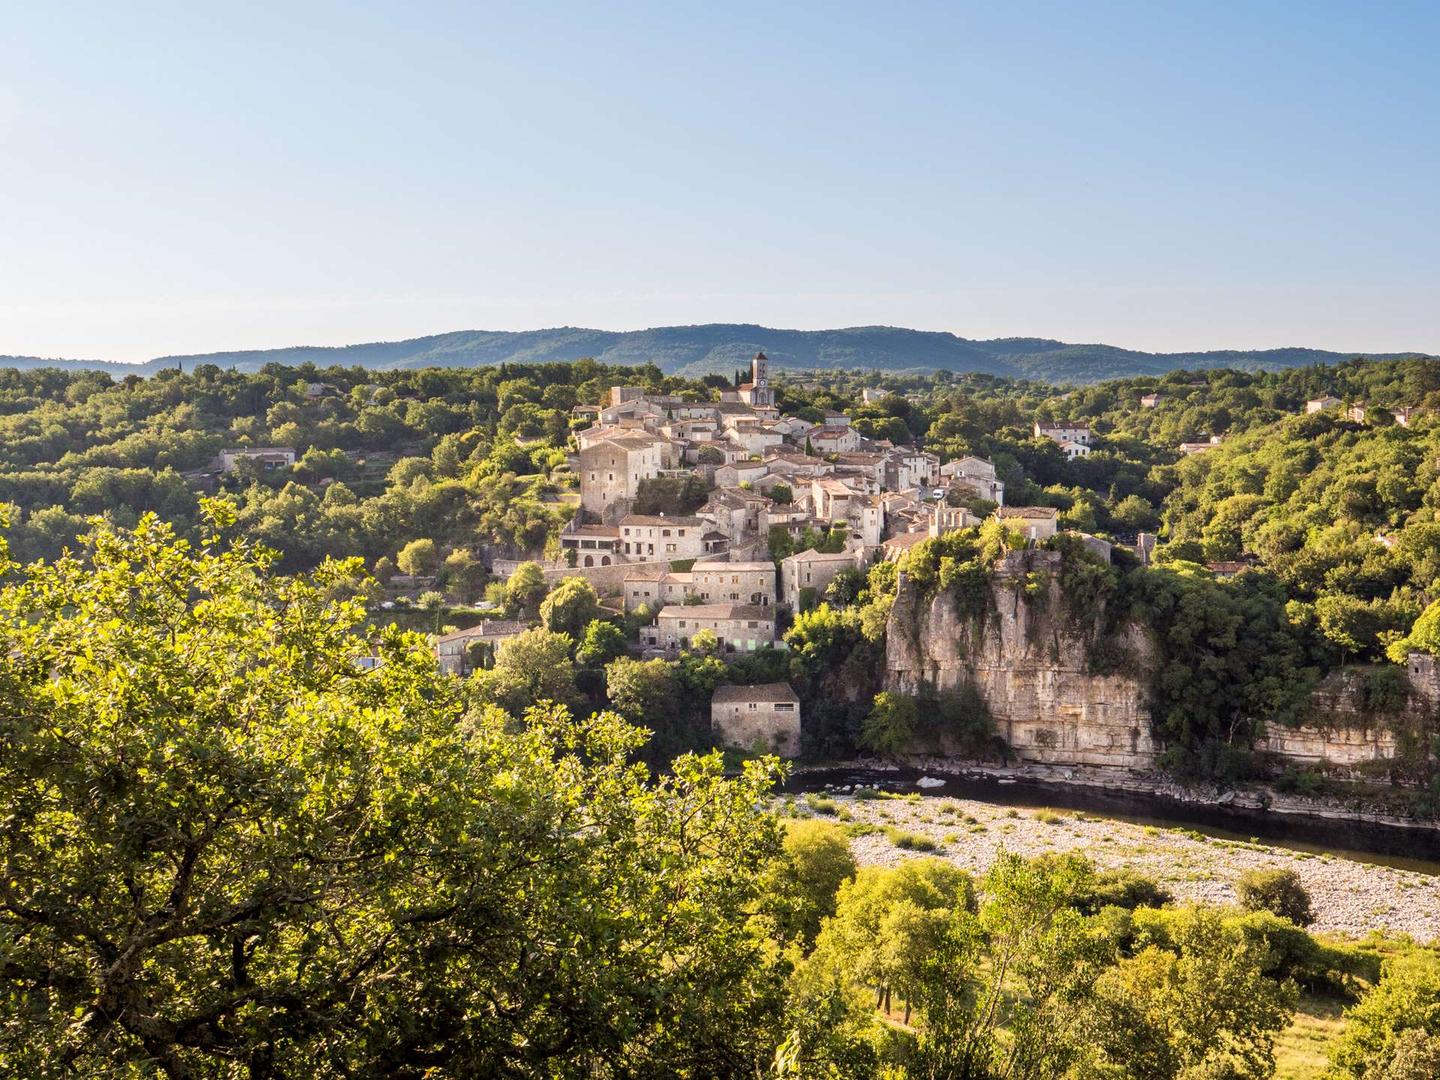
{"x": 1346, "y": 735}
{"x": 1030, "y": 658}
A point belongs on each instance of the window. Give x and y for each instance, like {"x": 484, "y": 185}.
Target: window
{"x": 664, "y": 532}
{"x": 784, "y": 706}
{"x": 682, "y": 624}
{"x": 752, "y": 706}
{"x": 751, "y": 625}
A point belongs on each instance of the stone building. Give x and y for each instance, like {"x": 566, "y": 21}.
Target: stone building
{"x": 1063, "y": 433}
{"x": 454, "y": 652}
{"x": 740, "y": 627}
{"x": 833, "y": 439}
{"x": 758, "y": 393}
{"x": 643, "y": 536}
{"x": 764, "y": 717}
{"x": 593, "y": 545}
{"x": 815, "y": 570}
{"x": 267, "y": 458}
{"x": 1033, "y": 522}
{"x": 709, "y": 583}
{"x": 976, "y": 475}
{"x": 611, "y": 470}
{"x": 738, "y": 582}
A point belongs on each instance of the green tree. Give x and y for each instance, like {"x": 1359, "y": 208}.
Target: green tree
{"x": 1424, "y": 636}
{"x": 570, "y": 607}
{"x": 1405, "y": 1000}
{"x": 603, "y": 642}
{"x": 1202, "y": 1008}
{"x": 525, "y": 589}
{"x": 229, "y": 851}
{"x": 417, "y": 558}
{"x": 646, "y": 691}
{"x": 433, "y": 605}
{"x": 890, "y": 727}
{"x": 530, "y": 667}
{"x": 817, "y": 862}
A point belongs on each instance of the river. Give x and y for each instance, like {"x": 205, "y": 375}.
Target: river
{"x": 1359, "y": 841}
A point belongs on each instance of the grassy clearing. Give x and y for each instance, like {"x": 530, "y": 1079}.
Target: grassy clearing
{"x": 1300, "y": 1050}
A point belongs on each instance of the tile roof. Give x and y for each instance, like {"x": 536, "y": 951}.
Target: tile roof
{"x": 717, "y": 611}
{"x": 771, "y": 692}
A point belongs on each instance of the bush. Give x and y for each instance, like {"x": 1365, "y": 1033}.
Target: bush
{"x": 1125, "y": 889}
{"x": 1276, "y": 891}
{"x": 819, "y": 804}
{"x": 1407, "y": 999}
{"x": 910, "y": 841}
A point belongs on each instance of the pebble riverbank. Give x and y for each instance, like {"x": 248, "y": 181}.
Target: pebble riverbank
{"x": 1350, "y": 898}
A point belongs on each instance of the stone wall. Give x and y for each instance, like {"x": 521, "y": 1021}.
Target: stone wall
{"x": 1030, "y": 662}
{"x": 775, "y": 732}
{"x": 608, "y": 580}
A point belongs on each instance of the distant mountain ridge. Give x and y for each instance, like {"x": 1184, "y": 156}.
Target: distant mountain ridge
{"x": 722, "y": 347}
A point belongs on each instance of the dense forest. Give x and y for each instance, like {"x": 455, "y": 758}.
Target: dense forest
{"x": 230, "y": 852}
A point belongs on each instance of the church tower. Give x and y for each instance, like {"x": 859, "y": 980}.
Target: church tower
{"x": 760, "y": 371}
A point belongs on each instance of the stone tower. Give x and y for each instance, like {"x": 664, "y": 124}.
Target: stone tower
{"x": 760, "y": 370}
{"x": 757, "y": 393}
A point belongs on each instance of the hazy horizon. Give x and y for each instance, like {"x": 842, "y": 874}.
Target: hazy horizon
{"x": 141, "y": 360}
{"x": 182, "y": 180}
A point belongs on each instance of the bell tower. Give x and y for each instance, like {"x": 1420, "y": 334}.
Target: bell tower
{"x": 760, "y": 371}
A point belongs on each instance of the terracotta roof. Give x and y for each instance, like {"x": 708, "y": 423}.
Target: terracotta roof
{"x": 771, "y": 692}
{"x": 1040, "y": 512}
{"x": 1226, "y": 567}
{"x": 717, "y": 611}
{"x": 906, "y": 540}
{"x": 491, "y": 628}
{"x": 593, "y": 530}
{"x": 660, "y": 519}
{"x": 811, "y": 555}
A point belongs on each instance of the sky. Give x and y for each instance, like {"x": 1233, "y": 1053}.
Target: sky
{"x": 191, "y": 177}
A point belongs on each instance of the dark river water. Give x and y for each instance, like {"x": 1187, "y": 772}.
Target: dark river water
{"x": 1362, "y": 841}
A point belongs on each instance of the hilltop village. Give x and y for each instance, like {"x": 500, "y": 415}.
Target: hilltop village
{"x": 816, "y": 498}
{"x": 788, "y": 506}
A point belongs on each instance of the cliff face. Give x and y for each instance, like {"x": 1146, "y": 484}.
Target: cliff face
{"x": 1029, "y": 657}
{"x": 1343, "y": 735}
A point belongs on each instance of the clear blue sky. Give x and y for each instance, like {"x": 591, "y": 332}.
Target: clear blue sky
{"x": 180, "y": 177}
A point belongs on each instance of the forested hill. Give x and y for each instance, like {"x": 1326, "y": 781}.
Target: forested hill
{"x": 722, "y": 347}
